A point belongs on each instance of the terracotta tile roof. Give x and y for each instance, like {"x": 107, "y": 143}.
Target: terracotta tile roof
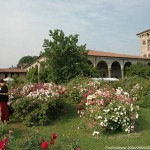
{"x": 99, "y": 53}
{"x": 15, "y": 70}
{"x": 143, "y": 31}
{"x": 109, "y": 54}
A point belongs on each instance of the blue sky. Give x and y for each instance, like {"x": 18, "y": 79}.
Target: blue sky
{"x": 105, "y": 25}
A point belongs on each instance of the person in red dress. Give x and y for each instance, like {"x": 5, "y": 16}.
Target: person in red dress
{"x": 4, "y": 112}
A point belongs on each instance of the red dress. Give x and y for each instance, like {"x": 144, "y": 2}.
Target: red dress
{"x": 4, "y": 113}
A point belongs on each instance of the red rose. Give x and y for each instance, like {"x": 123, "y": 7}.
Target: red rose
{"x": 54, "y": 135}
{"x": 2, "y": 145}
{"x": 52, "y": 142}
{"x": 78, "y": 148}
{"x": 44, "y": 145}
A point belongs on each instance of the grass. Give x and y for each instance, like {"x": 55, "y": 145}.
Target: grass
{"x": 68, "y": 125}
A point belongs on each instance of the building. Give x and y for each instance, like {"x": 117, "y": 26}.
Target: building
{"x": 145, "y": 42}
{"x": 10, "y": 72}
{"x": 108, "y": 64}
{"x": 113, "y": 64}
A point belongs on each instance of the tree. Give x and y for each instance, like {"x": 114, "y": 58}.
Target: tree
{"x": 65, "y": 59}
{"x": 32, "y": 75}
{"x": 139, "y": 69}
{"x": 25, "y": 60}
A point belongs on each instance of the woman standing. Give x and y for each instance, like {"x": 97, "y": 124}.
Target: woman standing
{"x": 3, "y": 101}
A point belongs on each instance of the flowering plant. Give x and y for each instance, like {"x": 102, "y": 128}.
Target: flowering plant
{"x": 110, "y": 109}
{"x": 78, "y": 91}
{"x": 41, "y": 104}
{"x": 7, "y": 139}
{"x": 53, "y": 142}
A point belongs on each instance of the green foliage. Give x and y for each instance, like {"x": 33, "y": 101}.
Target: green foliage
{"x": 65, "y": 59}
{"x": 32, "y": 75}
{"x": 68, "y": 126}
{"x": 43, "y": 73}
{"x": 78, "y": 80}
{"x": 25, "y": 60}
{"x": 68, "y": 143}
{"x": 33, "y": 141}
{"x": 73, "y": 87}
{"x": 137, "y": 87}
{"x": 139, "y": 69}
{"x": 37, "y": 112}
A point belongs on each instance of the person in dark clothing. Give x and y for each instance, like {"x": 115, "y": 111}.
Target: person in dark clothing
{"x": 3, "y": 101}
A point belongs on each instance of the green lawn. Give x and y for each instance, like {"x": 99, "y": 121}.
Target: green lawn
{"x": 68, "y": 125}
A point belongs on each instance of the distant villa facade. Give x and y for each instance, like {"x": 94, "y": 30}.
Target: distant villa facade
{"x": 11, "y": 72}
{"x": 108, "y": 64}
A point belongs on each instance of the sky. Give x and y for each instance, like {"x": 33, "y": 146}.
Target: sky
{"x": 103, "y": 25}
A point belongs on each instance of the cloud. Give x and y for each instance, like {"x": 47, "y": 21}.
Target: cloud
{"x": 103, "y": 25}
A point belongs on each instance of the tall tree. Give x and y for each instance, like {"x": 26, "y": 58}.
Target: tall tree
{"x": 65, "y": 59}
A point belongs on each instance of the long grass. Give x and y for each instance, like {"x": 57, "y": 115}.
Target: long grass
{"x": 68, "y": 125}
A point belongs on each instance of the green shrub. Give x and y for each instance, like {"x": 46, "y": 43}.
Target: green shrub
{"x": 137, "y": 87}
{"x": 33, "y": 111}
{"x": 74, "y": 87}
{"x": 139, "y": 69}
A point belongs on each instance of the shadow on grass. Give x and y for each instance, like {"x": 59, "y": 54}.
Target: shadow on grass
{"x": 68, "y": 115}
{"x": 70, "y": 112}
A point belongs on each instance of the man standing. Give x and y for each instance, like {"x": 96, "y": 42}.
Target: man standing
{"x": 3, "y": 101}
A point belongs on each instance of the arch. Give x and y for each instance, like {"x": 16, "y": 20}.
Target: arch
{"x": 116, "y": 70}
{"x": 126, "y": 65}
{"x": 144, "y": 55}
{"x": 103, "y": 69}
{"x": 89, "y": 62}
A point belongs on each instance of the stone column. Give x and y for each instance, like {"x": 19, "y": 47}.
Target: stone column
{"x": 109, "y": 72}
{"x": 122, "y": 73}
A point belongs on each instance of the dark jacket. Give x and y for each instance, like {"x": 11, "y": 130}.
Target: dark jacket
{"x": 4, "y": 89}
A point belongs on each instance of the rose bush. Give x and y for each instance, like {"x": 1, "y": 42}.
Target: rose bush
{"x": 109, "y": 108}
{"x": 78, "y": 86}
{"x": 40, "y": 104}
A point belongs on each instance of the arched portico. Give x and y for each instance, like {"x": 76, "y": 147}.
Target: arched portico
{"x": 126, "y": 65}
{"x": 108, "y": 64}
{"x": 103, "y": 69}
{"x": 116, "y": 70}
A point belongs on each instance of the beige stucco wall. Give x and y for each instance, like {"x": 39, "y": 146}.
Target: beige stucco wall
{"x": 145, "y": 47}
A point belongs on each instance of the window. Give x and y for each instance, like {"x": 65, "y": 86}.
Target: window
{"x": 143, "y": 42}
{"x": 144, "y": 55}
